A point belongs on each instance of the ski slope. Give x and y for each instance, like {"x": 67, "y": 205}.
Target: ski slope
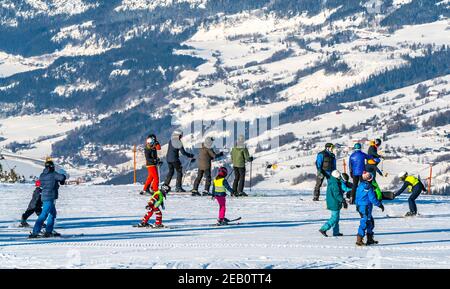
{"x": 277, "y": 230}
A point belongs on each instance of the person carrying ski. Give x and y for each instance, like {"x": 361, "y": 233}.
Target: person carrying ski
{"x": 415, "y": 187}
{"x": 335, "y": 202}
{"x": 174, "y": 149}
{"x": 219, "y": 192}
{"x": 205, "y": 157}
{"x": 35, "y": 205}
{"x": 365, "y": 200}
{"x": 325, "y": 164}
{"x": 153, "y": 207}
{"x": 239, "y": 156}
{"x": 357, "y": 163}
{"x": 152, "y": 161}
{"x": 50, "y": 182}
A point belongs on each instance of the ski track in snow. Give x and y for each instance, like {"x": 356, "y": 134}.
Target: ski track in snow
{"x": 275, "y": 232}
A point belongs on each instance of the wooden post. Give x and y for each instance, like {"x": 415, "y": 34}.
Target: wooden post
{"x": 134, "y": 164}
{"x": 345, "y": 166}
{"x": 430, "y": 178}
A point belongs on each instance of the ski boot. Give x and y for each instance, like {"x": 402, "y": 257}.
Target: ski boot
{"x": 316, "y": 199}
{"x": 410, "y": 214}
{"x": 324, "y": 233}
{"x": 24, "y": 224}
{"x": 338, "y": 235}
{"x": 205, "y": 193}
{"x": 222, "y": 222}
{"x": 370, "y": 240}
{"x": 143, "y": 225}
{"x": 180, "y": 190}
{"x": 33, "y": 236}
{"x": 158, "y": 226}
{"x": 360, "y": 241}
{"x": 195, "y": 193}
{"x": 242, "y": 194}
{"x": 51, "y": 234}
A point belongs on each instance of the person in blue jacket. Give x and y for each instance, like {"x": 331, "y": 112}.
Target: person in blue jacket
{"x": 365, "y": 200}
{"x": 357, "y": 164}
{"x": 325, "y": 164}
{"x": 50, "y": 181}
{"x": 335, "y": 202}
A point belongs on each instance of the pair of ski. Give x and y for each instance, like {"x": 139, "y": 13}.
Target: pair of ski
{"x": 152, "y": 226}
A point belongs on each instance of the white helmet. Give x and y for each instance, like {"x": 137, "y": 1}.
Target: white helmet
{"x": 177, "y": 133}
{"x": 402, "y": 175}
{"x": 336, "y": 174}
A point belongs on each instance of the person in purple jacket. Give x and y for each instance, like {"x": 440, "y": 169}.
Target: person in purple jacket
{"x": 357, "y": 165}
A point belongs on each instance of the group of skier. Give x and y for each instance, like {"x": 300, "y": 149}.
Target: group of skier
{"x": 364, "y": 191}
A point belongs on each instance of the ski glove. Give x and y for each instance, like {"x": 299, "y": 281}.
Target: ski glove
{"x": 250, "y": 159}
{"x": 381, "y": 207}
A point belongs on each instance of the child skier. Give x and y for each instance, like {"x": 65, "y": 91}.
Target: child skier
{"x": 335, "y": 202}
{"x": 219, "y": 191}
{"x": 415, "y": 187}
{"x": 35, "y": 205}
{"x": 153, "y": 207}
{"x": 365, "y": 200}
{"x": 152, "y": 162}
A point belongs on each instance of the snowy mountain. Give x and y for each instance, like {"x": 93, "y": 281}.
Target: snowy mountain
{"x": 85, "y": 80}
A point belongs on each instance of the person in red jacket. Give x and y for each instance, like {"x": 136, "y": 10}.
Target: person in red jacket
{"x": 152, "y": 161}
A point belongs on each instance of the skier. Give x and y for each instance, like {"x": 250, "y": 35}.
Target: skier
{"x": 415, "y": 187}
{"x": 239, "y": 156}
{"x": 325, "y": 164}
{"x": 153, "y": 207}
{"x": 205, "y": 157}
{"x": 173, "y": 160}
{"x": 152, "y": 147}
{"x": 373, "y": 148}
{"x": 35, "y": 205}
{"x": 365, "y": 200}
{"x": 335, "y": 202}
{"x": 219, "y": 192}
{"x": 357, "y": 163}
{"x": 50, "y": 181}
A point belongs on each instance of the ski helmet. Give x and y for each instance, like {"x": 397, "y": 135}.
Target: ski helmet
{"x": 378, "y": 142}
{"x": 366, "y": 176}
{"x": 177, "y": 133}
{"x": 357, "y": 146}
{"x": 336, "y": 174}
{"x": 50, "y": 165}
{"x": 402, "y": 175}
{"x": 38, "y": 183}
{"x": 345, "y": 176}
{"x": 223, "y": 172}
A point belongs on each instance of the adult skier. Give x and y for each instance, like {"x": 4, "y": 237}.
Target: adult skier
{"x": 239, "y": 156}
{"x": 335, "y": 202}
{"x": 325, "y": 164}
{"x": 373, "y": 149}
{"x": 219, "y": 192}
{"x": 152, "y": 161}
{"x": 205, "y": 157}
{"x": 365, "y": 200}
{"x": 415, "y": 187}
{"x": 35, "y": 205}
{"x": 174, "y": 149}
{"x": 357, "y": 163}
{"x": 50, "y": 182}
{"x": 153, "y": 207}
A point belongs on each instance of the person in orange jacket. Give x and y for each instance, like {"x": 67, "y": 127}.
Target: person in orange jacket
{"x": 152, "y": 147}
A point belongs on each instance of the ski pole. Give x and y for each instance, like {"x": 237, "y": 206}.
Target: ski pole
{"x": 229, "y": 175}
{"x": 251, "y": 167}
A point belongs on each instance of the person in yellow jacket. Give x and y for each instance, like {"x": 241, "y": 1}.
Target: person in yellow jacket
{"x": 220, "y": 188}
{"x": 415, "y": 187}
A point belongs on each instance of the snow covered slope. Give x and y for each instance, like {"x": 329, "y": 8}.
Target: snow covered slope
{"x": 264, "y": 239}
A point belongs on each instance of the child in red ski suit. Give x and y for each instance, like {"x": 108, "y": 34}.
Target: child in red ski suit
{"x": 219, "y": 191}
{"x": 152, "y": 161}
{"x": 153, "y": 207}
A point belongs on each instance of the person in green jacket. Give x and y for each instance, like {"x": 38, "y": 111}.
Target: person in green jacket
{"x": 239, "y": 156}
{"x": 335, "y": 202}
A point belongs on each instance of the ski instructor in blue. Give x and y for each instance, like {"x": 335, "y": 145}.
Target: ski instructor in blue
{"x": 50, "y": 181}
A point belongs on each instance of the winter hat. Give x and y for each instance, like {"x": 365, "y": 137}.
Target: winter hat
{"x": 50, "y": 165}
{"x": 223, "y": 172}
{"x": 329, "y": 145}
{"x": 366, "y": 176}
{"x": 336, "y": 174}
{"x": 357, "y": 146}
{"x": 38, "y": 183}
{"x": 178, "y": 133}
{"x": 208, "y": 142}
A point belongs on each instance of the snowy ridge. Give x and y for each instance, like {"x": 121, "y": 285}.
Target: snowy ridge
{"x": 153, "y": 4}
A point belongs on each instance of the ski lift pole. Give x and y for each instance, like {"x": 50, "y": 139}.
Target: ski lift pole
{"x": 345, "y": 166}
{"x": 430, "y": 178}
{"x": 134, "y": 164}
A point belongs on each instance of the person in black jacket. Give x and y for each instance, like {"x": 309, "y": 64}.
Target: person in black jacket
{"x": 325, "y": 164}
{"x": 35, "y": 205}
{"x": 174, "y": 149}
{"x": 373, "y": 148}
{"x": 151, "y": 161}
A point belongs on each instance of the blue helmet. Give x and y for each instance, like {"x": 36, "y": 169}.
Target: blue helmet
{"x": 357, "y": 146}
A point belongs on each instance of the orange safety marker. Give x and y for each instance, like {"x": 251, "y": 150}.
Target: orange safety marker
{"x": 134, "y": 163}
